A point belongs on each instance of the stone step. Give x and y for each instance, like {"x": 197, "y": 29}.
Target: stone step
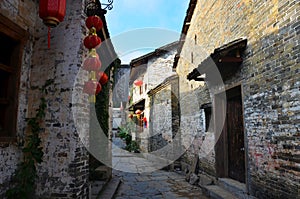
{"x": 110, "y": 189}
{"x": 235, "y": 187}
{"x": 217, "y": 192}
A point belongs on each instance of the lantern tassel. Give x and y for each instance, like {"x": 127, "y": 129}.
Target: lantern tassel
{"x": 49, "y": 31}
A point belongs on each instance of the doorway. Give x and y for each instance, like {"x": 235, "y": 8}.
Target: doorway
{"x": 230, "y": 149}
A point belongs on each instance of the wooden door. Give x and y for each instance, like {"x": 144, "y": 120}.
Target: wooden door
{"x": 235, "y": 139}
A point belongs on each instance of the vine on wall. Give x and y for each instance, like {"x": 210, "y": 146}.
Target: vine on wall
{"x": 23, "y": 180}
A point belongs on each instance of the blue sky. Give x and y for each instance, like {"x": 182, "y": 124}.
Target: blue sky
{"x": 132, "y": 20}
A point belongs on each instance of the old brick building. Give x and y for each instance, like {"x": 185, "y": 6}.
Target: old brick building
{"x": 153, "y": 69}
{"x": 64, "y": 172}
{"x": 162, "y": 107}
{"x": 245, "y": 115}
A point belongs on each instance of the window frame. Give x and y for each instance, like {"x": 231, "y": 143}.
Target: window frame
{"x": 20, "y": 36}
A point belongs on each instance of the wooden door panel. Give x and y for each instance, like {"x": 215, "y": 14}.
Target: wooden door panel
{"x": 235, "y": 132}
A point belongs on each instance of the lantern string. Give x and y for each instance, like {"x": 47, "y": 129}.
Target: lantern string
{"x": 49, "y": 31}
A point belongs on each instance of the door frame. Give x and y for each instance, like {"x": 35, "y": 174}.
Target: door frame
{"x": 220, "y": 111}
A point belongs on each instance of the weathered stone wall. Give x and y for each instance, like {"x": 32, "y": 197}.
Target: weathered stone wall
{"x": 161, "y": 119}
{"x": 159, "y": 68}
{"x": 64, "y": 170}
{"x": 23, "y": 13}
{"x": 164, "y": 113}
{"x": 269, "y": 77}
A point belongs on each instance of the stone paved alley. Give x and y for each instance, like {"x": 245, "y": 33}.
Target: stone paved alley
{"x": 157, "y": 185}
{"x": 137, "y": 184}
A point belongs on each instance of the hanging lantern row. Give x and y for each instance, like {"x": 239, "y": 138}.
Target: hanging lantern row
{"x": 92, "y": 63}
{"x": 52, "y": 12}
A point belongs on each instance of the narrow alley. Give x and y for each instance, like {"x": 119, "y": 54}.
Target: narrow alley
{"x": 104, "y": 99}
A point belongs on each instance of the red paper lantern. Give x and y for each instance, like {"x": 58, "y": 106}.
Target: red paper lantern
{"x": 138, "y": 82}
{"x": 92, "y": 63}
{"x": 90, "y": 87}
{"x": 91, "y": 41}
{"x": 94, "y": 21}
{"x": 52, "y": 12}
{"x": 102, "y": 77}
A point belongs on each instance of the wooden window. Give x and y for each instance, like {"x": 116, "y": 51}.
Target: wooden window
{"x": 12, "y": 38}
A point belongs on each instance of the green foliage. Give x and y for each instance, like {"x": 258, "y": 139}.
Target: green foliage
{"x": 125, "y": 133}
{"x": 25, "y": 175}
{"x": 133, "y": 147}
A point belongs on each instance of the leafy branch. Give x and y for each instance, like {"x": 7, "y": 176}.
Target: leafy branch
{"x": 25, "y": 175}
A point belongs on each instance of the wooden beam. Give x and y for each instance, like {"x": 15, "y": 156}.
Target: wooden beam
{"x": 12, "y": 30}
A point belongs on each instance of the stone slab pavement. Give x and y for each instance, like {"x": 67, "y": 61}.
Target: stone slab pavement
{"x": 158, "y": 184}
{"x": 123, "y": 160}
{"x": 141, "y": 177}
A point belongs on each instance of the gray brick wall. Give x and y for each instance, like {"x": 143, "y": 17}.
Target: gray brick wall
{"x": 269, "y": 77}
